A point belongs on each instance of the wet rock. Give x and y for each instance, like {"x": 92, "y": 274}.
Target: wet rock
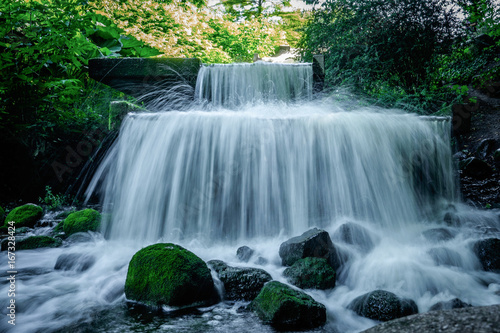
{"x": 77, "y": 262}
{"x": 25, "y": 216}
{"x": 261, "y": 261}
{"x": 168, "y": 274}
{"x": 285, "y": 308}
{"x": 383, "y": 306}
{"x": 80, "y": 237}
{"x": 445, "y": 257}
{"x": 455, "y": 303}
{"x": 82, "y": 221}
{"x": 475, "y": 168}
{"x": 451, "y": 219}
{"x": 488, "y": 252}
{"x": 240, "y": 283}
{"x": 438, "y": 235}
{"x": 352, "y": 233}
{"x": 312, "y": 243}
{"x": 311, "y": 273}
{"x": 486, "y": 148}
{"x": 244, "y": 253}
{"x": 33, "y": 242}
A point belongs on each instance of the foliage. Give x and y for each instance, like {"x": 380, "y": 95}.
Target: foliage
{"x": 54, "y": 201}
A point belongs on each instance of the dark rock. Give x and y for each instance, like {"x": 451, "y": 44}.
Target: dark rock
{"x": 488, "y": 252}
{"x": 383, "y": 306}
{"x": 33, "y": 242}
{"x": 240, "y": 283}
{"x": 78, "y": 262}
{"x": 285, "y": 308}
{"x": 485, "y": 148}
{"x": 311, "y": 273}
{"x": 451, "y": 219}
{"x": 244, "y": 253}
{"x": 82, "y": 221}
{"x": 445, "y": 257}
{"x": 438, "y": 234}
{"x": 261, "y": 261}
{"x": 168, "y": 274}
{"x": 496, "y": 155}
{"x": 312, "y": 243}
{"x": 25, "y": 216}
{"x": 80, "y": 237}
{"x": 475, "y": 168}
{"x": 451, "y": 304}
{"x": 352, "y": 233}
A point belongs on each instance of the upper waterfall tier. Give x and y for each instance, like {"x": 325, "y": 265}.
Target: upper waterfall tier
{"x": 235, "y": 85}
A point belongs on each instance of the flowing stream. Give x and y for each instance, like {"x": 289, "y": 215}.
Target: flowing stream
{"x": 254, "y": 162}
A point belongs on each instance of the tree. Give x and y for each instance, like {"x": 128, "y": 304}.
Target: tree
{"x": 246, "y": 9}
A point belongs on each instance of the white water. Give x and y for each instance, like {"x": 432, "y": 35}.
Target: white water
{"x": 257, "y": 175}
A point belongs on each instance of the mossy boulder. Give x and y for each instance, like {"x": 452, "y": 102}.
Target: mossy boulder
{"x": 311, "y": 273}
{"x": 168, "y": 274}
{"x": 285, "y": 308}
{"x": 488, "y": 253}
{"x": 383, "y": 306}
{"x": 25, "y": 216}
{"x": 240, "y": 283}
{"x": 82, "y": 221}
{"x": 36, "y": 242}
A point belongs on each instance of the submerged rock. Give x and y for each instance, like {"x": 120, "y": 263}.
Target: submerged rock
{"x": 240, "y": 283}
{"x": 25, "y": 216}
{"x": 383, "y": 306}
{"x": 446, "y": 257}
{"x": 285, "y": 308}
{"x": 455, "y": 303}
{"x": 78, "y": 262}
{"x": 311, "y": 273}
{"x": 82, "y": 221}
{"x": 352, "y": 233}
{"x": 168, "y": 274}
{"x": 244, "y": 253}
{"x": 312, "y": 243}
{"x": 488, "y": 252}
{"x": 438, "y": 234}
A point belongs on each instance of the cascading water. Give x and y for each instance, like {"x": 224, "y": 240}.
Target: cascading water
{"x": 262, "y": 162}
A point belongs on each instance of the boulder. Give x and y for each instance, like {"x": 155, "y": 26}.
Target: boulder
{"x": 475, "y": 168}
{"x": 168, "y": 274}
{"x": 438, "y": 235}
{"x": 452, "y": 219}
{"x": 311, "y": 273}
{"x": 352, "y": 233}
{"x": 240, "y": 283}
{"x": 35, "y": 242}
{"x": 25, "y": 216}
{"x": 455, "y": 303}
{"x": 82, "y": 221}
{"x": 244, "y": 253}
{"x": 312, "y": 243}
{"x": 488, "y": 252}
{"x": 285, "y": 308}
{"x": 382, "y": 305}
{"x": 78, "y": 262}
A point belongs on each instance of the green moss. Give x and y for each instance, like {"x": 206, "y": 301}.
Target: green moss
{"x": 82, "y": 221}
{"x": 171, "y": 275}
{"x": 285, "y": 308}
{"x": 35, "y": 242}
{"x": 25, "y": 216}
{"x": 311, "y": 273}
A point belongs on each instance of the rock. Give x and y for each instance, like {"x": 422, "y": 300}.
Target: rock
{"x": 244, "y": 253}
{"x": 285, "y": 308}
{"x": 451, "y": 304}
{"x": 476, "y": 319}
{"x": 80, "y": 237}
{"x": 240, "y": 283}
{"x": 261, "y": 261}
{"x": 34, "y": 242}
{"x": 488, "y": 252}
{"x": 78, "y": 262}
{"x": 485, "y": 148}
{"x": 475, "y": 168}
{"x": 168, "y": 274}
{"x": 383, "y": 306}
{"x": 352, "y": 233}
{"x": 496, "y": 155}
{"x": 311, "y": 273}
{"x": 438, "y": 235}
{"x": 25, "y": 216}
{"x": 451, "y": 219}
{"x": 445, "y": 257}
{"x": 312, "y": 243}
{"x": 82, "y": 221}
